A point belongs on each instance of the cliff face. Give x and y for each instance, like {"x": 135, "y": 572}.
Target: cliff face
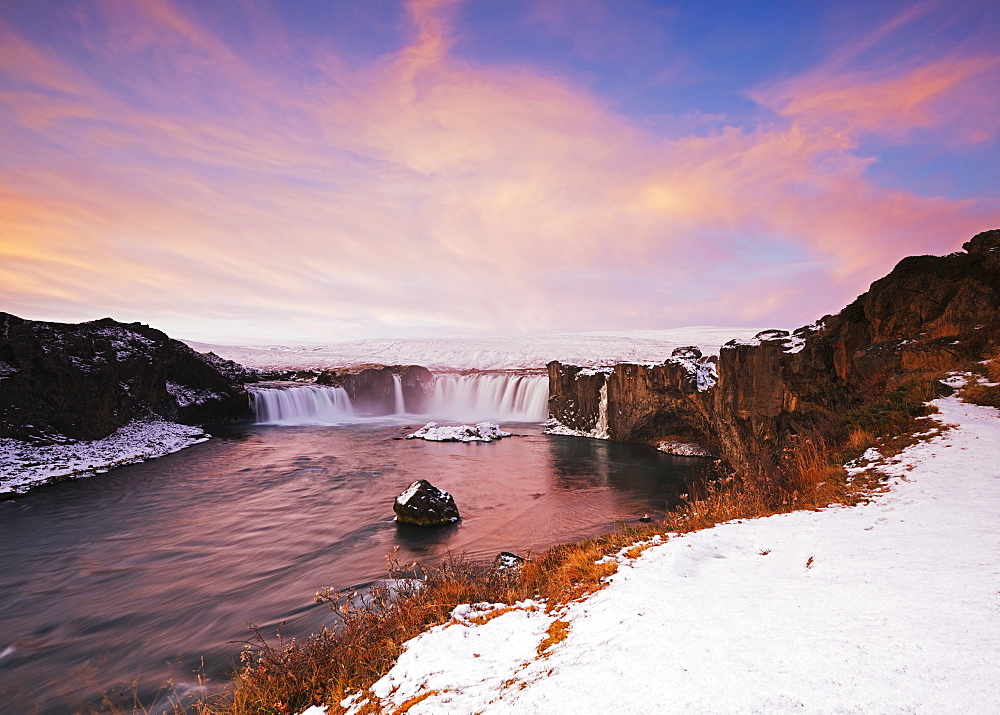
{"x": 373, "y": 389}
{"x": 931, "y": 313}
{"x": 83, "y": 381}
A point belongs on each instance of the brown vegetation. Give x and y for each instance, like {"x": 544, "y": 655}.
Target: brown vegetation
{"x": 556, "y": 634}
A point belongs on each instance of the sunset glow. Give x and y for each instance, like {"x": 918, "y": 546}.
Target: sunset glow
{"x": 263, "y": 171}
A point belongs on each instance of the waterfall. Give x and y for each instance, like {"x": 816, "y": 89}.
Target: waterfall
{"x": 300, "y": 404}
{"x": 399, "y": 405}
{"x": 600, "y": 430}
{"x": 483, "y": 396}
{"x": 473, "y": 398}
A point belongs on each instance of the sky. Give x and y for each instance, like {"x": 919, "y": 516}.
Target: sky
{"x": 256, "y": 172}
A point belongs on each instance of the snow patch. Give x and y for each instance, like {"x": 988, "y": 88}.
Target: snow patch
{"x": 590, "y": 371}
{"x": 24, "y": 465}
{"x": 482, "y": 432}
{"x": 482, "y": 658}
{"x": 683, "y": 449}
{"x": 186, "y": 396}
{"x": 554, "y": 426}
{"x": 404, "y": 498}
{"x": 6, "y": 370}
{"x": 702, "y": 375}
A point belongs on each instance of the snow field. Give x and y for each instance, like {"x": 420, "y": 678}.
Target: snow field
{"x": 520, "y": 352}
{"x": 891, "y": 606}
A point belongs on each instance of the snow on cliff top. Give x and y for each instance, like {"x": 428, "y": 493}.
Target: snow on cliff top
{"x": 891, "y": 606}
{"x": 485, "y": 353}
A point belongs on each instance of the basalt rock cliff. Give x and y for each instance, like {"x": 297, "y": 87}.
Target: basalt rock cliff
{"x": 930, "y": 314}
{"x": 84, "y": 381}
{"x": 373, "y": 389}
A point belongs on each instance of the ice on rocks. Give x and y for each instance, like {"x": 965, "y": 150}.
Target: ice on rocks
{"x": 701, "y": 374}
{"x": 683, "y": 449}
{"x": 482, "y": 432}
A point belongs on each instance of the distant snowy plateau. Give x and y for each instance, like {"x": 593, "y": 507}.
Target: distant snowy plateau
{"x": 520, "y": 352}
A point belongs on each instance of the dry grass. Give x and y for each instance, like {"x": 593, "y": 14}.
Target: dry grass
{"x": 986, "y": 395}
{"x": 993, "y": 368}
{"x": 415, "y": 700}
{"x": 557, "y": 633}
{"x": 285, "y": 677}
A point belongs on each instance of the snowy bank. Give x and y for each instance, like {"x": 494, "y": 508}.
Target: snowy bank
{"x": 891, "y": 606}
{"x": 24, "y": 465}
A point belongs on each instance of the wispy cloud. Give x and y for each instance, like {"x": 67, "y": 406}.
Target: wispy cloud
{"x": 224, "y": 193}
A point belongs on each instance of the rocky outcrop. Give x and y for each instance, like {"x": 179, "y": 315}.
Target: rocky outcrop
{"x": 931, "y": 313}
{"x": 423, "y": 504}
{"x": 373, "y": 389}
{"x": 84, "y": 381}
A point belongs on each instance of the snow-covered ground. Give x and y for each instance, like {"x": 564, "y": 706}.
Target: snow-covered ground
{"x": 893, "y": 606}
{"x": 24, "y": 465}
{"x": 485, "y": 353}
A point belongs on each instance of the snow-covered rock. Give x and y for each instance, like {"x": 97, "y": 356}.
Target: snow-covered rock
{"x": 683, "y": 449}
{"x": 482, "y": 432}
{"x": 424, "y": 504}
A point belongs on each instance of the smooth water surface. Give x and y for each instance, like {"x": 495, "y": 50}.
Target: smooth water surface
{"x": 149, "y": 573}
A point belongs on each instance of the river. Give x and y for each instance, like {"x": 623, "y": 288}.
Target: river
{"x": 148, "y": 575}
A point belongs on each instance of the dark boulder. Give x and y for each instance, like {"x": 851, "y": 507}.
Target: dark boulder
{"x": 983, "y": 242}
{"x": 688, "y": 352}
{"x": 423, "y": 504}
{"x": 507, "y": 562}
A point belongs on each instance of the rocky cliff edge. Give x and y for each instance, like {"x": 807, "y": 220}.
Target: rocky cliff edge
{"x": 84, "y": 381}
{"x": 930, "y": 314}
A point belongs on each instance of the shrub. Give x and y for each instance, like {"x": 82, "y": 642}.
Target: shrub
{"x": 895, "y": 409}
{"x": 987, "y": 395}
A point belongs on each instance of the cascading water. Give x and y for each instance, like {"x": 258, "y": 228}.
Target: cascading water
{"x": 301, "y": 404}
{"x": 399, "y": 403}
{"x": 467, "y": 398}
{"x": 508, "y": 397}
{"x": 600, "y": 430}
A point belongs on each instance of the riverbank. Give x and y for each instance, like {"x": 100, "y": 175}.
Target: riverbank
{"x": 887, "y": 606}
{"x": 25, "y": 465}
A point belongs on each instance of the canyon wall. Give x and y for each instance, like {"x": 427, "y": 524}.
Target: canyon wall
{"x": 931, "y": 313}
{"x": 376, "y": 390}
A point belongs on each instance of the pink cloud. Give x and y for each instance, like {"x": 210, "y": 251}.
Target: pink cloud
{"x": 953, "y": 92}
{"x": 426, "y": 189}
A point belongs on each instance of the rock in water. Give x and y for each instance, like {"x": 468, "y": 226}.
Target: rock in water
{"x": 424, "y": 504}
{"x": 482, "y": 432}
